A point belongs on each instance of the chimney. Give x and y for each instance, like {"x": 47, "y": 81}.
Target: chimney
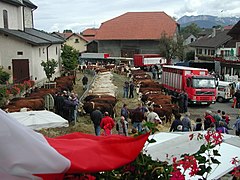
{"x": 214, "y": 32}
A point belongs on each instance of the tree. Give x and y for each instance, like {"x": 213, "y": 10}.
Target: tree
{"x": 170, "y": 47}
{"x": 49, "y": 67}
{"x": 69, "y": 57}
{"x": 67, "y": 31}
{"x": 4, "y": 76}
{"x": 190, "y": 55}
{"x": 193, "y": 29}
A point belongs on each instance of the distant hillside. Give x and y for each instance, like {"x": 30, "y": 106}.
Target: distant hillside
{"x": 207, "y": 21}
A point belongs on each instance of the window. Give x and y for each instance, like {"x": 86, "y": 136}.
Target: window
{"x": 56, "y": 50}
{"x": 192, "y": 39}
{"x": 205, "y": 51}
{"x": 199, "y": 51}
{"x": 39, "y": 51}
{"x": 76, "y": 40}
{"x": 212, "y": 52}
{"x": 227, "y": 52}
{"x": 5, "y": 19}
{"x": 19, "y": 53}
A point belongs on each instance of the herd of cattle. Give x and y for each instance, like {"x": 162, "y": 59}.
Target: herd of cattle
{"x": 35, "y": 99}
{"x": 102, "y": 93}
{"x": 149, "y": 91}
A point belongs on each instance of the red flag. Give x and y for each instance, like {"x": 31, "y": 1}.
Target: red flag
{"x": 89, "y": 153}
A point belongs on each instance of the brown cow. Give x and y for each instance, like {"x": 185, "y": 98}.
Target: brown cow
{"x": 164, "y": 112}
{"x": 107, "y": 100}
{"x": 34, "y": 104}
{"x": 90, "y": 97}
{"x": 89, "y": 107}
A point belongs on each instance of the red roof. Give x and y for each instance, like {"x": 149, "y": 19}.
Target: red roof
{"x": 68, "y": 35}
{"x": 137, "y": 26}
{"x": 90, "y": 32}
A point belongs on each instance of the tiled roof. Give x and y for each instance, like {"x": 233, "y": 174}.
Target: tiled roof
{"x": 68, "y": 35}
{"x": 90, "y": 32}
{"x": 235, "y": 29}
{"x": 210, "y": 41}
{"x": 32, "y": 36}
{"x": 137, "y": 26}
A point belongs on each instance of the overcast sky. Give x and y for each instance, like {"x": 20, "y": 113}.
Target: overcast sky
{"x": 57, "y": 15}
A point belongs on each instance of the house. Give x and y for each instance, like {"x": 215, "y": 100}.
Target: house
{"x": 89, "y": 33}
{"x": 92, "y": 45}
{"x": 222, "y": 47}
{"x": 22, "y": 47}
{"x": 75, "y": 40}
{"x": 188, "y": 38}
{"x": 134, "y": 33}
{"x": 213, "y": 44}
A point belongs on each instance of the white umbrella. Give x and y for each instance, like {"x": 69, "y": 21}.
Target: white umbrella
{"x": 39, "y": 119}
{"x": 169, "y": 145}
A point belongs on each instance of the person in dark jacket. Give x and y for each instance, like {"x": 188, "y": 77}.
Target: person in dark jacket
{"x": 198, "y": 125}
{"x": 131, "y": 89}
{"x": 96, "y": 117}
{"x": 85, "y": 81}
{"x": 125, "y": 112}
{"x": 177, "y": 124}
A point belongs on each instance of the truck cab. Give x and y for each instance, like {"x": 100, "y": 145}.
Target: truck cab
{"x": 225, "y": 91}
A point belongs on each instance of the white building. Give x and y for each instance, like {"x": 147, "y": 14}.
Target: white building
{"x": 23, "y": 48}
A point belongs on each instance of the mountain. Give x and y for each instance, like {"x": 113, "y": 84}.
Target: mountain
{"x": 207, "y": 21}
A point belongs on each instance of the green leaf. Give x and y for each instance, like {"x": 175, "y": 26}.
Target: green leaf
{"x": 201, "y": 159}
{"x": 202, "y": 170}
{"x": 216, "y": 153}
{"x": 151, "y": 140}
{"x": 215, "y": 161}
{"x": 202, "y": 149}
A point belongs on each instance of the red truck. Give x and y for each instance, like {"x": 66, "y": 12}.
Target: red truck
{"x": 144, "y": 60}
{"x": 197, "y": 83}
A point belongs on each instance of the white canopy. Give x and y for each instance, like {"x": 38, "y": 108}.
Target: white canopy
{"x": 169, "y": 145}
{"x": 39, "y": 119}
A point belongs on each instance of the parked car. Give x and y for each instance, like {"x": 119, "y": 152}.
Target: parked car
{"x": 225, "y": 91}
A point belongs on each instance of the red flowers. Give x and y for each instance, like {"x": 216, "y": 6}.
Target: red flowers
{"x": 187, "y": 163}
{"x": 213, "y": 138}
{"x": 236, "y": 170}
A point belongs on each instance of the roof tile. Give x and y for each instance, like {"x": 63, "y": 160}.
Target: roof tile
{"x": 137, "y": 26}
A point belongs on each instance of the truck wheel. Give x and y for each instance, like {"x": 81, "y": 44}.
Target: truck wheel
{"x": 220, "y": 99}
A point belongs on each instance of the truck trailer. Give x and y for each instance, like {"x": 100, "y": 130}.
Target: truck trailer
{"x": 196, "y": 82}
{"x": 145, "y": 60}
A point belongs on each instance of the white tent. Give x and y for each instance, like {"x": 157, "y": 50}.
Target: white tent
{"x": 39, "y": 119}
{"x": 169, "y": 145}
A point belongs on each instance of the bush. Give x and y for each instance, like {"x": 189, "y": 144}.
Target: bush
{"x": 4, "y": 76}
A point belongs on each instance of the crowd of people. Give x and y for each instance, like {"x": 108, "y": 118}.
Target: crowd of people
{"x": 66, "y": 105}
{"x": 218, "y": 122}
{"x": 128, "y": 89}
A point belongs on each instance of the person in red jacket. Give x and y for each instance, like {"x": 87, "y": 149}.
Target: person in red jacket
{"x": 107, "y": 124}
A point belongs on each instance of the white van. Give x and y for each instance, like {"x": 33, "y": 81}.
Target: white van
{"x": 225, "y": 91}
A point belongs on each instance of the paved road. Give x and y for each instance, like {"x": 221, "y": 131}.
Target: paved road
{"x": 198, "y": 111}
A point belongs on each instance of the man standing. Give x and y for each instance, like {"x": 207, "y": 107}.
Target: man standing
{"x": 96, "y": 117}
{"x": 131, "y": 89}
{"x": 125, "y": 112}
{"x": 85, "y": 82}
{"x": 107, "y": 124}
{"x": 122, "y": 127}
{"x": 125, "y": 89}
